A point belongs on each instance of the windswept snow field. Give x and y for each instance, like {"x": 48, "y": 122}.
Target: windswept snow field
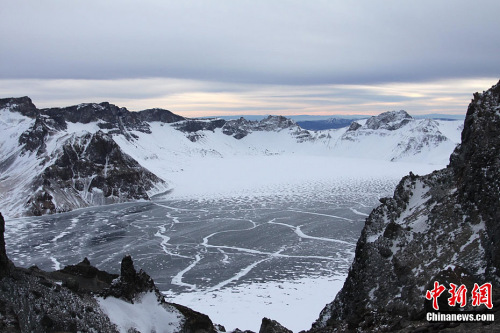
{"x": 238, "y": 238}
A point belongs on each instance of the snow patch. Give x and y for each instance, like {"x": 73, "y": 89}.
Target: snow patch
{"x": 145, "y": 315}
{"x": 227, "y": 306}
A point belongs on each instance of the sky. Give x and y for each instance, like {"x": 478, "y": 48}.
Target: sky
{"x": 239, "y": 57}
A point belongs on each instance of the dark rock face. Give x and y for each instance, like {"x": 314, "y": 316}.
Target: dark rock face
{"x": 354, "y": 126}
{"x": 112, "y": 117}
{"x": 239, "y": 128}
{"x": 4, "y": 260}
{"x": 23, "y": 105}
{"x": 476, "y": 164}
{"x": 195, "y": 322}
{"x": 35, "y": 303}
{"x": 95, "y": 171}
{"x": 109, "y": 116}
{"x": 272, "y": 326}
{"x": 84, "y": 169}
{"x": 84, "y": 278}
{"x": 160, "y": 115}
{"x": 193, "y": 127}
{"x": 391, "y": 120}
{"x": 130, "y": 283}
{"x": 440, "y": 227}
{"x": 34, "y": 139}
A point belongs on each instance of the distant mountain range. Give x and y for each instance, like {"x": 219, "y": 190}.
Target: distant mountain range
{"x": 59, "y": 159}
{"x": 317, "y": 123}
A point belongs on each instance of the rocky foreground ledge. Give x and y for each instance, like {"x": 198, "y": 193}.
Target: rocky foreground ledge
{"x": 75, "y": 299}
{"x": 82, "y": 298}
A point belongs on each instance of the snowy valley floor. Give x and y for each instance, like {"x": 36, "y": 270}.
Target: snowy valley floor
{"x": 238, "y": 238}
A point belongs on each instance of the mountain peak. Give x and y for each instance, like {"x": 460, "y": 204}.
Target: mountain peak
{"x": 390, "y": 120}
{"x": 23, "y": 105}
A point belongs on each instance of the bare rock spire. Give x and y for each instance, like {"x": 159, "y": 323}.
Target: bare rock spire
{"x": 4, "y": 261}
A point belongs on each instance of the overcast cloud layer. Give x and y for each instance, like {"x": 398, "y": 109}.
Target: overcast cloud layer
{"x": 187, "y": 55}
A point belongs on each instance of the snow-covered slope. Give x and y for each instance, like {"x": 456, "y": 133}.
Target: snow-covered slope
{"x": 91, "y": 154}
{"x": 396, "y": 136}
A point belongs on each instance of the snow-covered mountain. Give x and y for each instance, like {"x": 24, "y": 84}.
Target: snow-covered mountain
{"x": 396, "y": 136}
{"x": 59, "y": 159}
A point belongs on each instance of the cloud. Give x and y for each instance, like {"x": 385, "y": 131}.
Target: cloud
{"x": 263, "y": 42}
{"x": 216, "y": 57}
{"x": 205, "y": 98}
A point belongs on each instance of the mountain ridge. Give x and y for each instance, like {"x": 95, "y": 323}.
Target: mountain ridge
{"x": 90, "y": 144}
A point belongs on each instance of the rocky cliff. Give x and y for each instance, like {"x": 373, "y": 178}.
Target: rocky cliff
{"x": 442, "y": 227}
{"x": 81, "y": 298}
{"x": 52, "y": 169}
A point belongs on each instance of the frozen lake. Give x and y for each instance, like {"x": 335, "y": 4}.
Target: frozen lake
{"x": 277, "y": 249}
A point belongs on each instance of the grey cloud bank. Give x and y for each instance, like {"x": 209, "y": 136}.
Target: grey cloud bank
{"x": 216, "y": 44}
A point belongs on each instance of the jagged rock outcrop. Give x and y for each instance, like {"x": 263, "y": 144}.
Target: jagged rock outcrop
{"x": 130, "y": 283}
{"x": 112, "y": 117}
{"x": 194, "y": 127}
{"x": 108, "y": 116}
{"x": 35, "y": 138}
{"x": 239, "y": 128}
{"x": 160, "y": 115}
{"x": 390, "y": 120}
{"x": 84, "y": 278}
{"x": 476, "y": 164}
{"x": 272, "y": 326}
{"x": 354, "y": 126}
{"x": 444, "y": 226}
{"x": 93, "y": 170}
{"x": 32, "y": 302}
{"x": 23, "y": 105}
{"x": 4, "y": 260}
{"x": 67, "y": 300}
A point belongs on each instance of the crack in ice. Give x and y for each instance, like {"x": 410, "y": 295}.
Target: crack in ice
{"x": 312, "y": 213}
{"x": 301, "y": 234}
{"x": 177, "y": 279}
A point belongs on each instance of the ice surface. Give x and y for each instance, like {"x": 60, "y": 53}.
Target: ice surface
{"x": 264, "y": 236}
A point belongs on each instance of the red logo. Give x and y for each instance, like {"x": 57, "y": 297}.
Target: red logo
{"x": 458, "y": 295}
{"x": 480, "y": 295}
{"x": 434, "y": 294}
